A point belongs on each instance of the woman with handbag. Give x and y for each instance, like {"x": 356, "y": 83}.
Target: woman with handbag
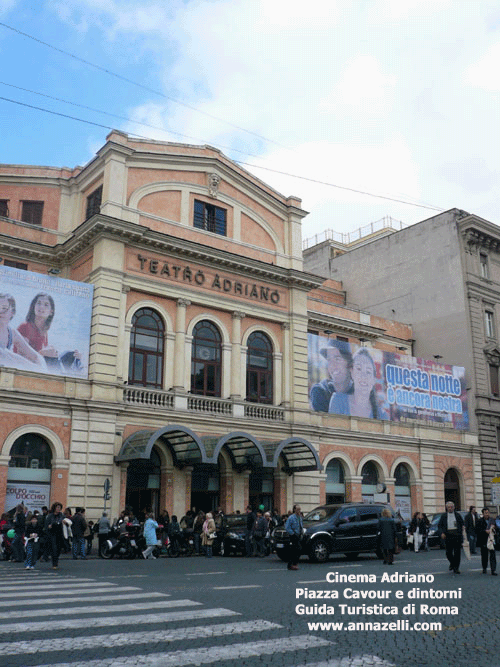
{"x": 208, "y": 535}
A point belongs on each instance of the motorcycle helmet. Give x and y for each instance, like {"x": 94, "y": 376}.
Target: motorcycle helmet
{"x": 11, "y": 534}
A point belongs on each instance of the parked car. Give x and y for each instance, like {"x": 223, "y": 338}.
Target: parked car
{"x": 231, "y": 538}
{"x": 350, "y": 528}
{"x": 433, "y": 536}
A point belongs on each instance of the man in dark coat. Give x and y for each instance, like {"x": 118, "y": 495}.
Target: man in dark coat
{"x": 471, "y": 519}
{"x": 387, "y": 536}
{"x": 450, "y": 527}
{"x": 484, "y": 527}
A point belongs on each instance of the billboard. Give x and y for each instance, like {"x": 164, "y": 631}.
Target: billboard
{"x": 347, "y": 379}
{"x": 44, "y": 323}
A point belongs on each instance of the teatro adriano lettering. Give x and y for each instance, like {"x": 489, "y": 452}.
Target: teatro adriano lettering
{"x": 217, "y": 282}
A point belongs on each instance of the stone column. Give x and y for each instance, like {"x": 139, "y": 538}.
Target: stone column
{"x": 188, "y": 471}
{"x": 287, "y": 363}
{"x": 59, "y": 481}
{"x": 4, "y": 469}
{"x": 123, "y": 485}
{"x": 279, "y": 495}
{"x": 416, "y": 495}
{"x": 226, "y": 500}
{"x": 237, "y": 391}
{"x": 180, "y": 341}
{"x": 167, "y": 488}
{"x": 389, "y": 482}
{"x": 353, "y": 489}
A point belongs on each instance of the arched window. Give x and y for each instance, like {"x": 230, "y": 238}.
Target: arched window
{"x": 146, "y": 349}
{"x": 30, "y": 467}
{"x": 259, "y": 368}
{"x": 402, "y": 494}
{"x": 335, "y": 484}
{"x": 369, "y": 473}
{"x": 452, "y": 488}
{"x": 206, "y": 360}
{"x": 369, "y": 482}
{"x": 31, "y": 451}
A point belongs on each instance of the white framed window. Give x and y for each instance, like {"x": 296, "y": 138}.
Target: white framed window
{"x": 489, "y": 323}
{"x": 483, "y": 264}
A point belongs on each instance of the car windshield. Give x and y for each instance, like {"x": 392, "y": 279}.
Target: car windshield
{"x": 321, "y": 513}
{"x": 238, "y": 521}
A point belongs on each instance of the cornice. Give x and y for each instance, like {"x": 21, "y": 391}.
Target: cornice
{"x": 324, "y": 321}
{"x": 99, "y": 226}
{"x": 478, "y": 233}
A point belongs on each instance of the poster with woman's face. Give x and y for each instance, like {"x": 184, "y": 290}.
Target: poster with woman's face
{"x": 347, "y": 379}
{"x": 44, "y": 323}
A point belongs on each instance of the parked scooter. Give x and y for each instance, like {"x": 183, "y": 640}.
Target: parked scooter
{"x": 121, "y": 543}
{"x": 180, "y": 544}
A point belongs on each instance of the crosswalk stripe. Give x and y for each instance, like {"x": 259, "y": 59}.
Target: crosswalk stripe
{"x": 207, "y": 655}
{"x": 72, "y": 591}
{"x": 107, "y": 621}
{"x": 97, "y": 598}
{"x": 133, "y": 638}
{"x": 355, "y": 661}
{"x": 105, "y": 609}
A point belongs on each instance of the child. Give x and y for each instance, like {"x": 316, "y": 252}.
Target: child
{"x": 89, "y": 536}
{"x": 32, "y": 536}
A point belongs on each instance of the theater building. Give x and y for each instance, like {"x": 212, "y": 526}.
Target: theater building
{"x": 158, "y": 331}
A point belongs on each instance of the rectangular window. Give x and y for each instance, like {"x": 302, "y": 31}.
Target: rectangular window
{"x": 94, "y": 201}
{"x": 489, "y": 323}
{"x": 483, "y": 261}
{"x": 210, "y": 218}
{"x": 32, "y": 212}
{"x": 15, "y": 265}
{"x": 4, "y": 208}
{"x": 494, "y": 389}
{"x": 498, "y": 439}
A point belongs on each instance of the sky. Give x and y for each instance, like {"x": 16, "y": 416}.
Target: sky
{"x": 399, "y": 99}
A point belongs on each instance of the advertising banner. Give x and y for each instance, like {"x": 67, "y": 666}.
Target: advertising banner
{"x": 44, "y": 323}
{"x": 33, "y": 495}
{"x": 346, "y": 379}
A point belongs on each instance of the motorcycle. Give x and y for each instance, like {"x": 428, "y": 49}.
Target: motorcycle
{"x": 123, "y": 544}
{"x": 180, "y": 544}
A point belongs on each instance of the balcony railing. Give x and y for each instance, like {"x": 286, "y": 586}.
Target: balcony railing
{"x": 264, "y": 412}
{"x": 202, "y": 404}
{"x": 150, "y": 397}
{"x": 214, "y": 406}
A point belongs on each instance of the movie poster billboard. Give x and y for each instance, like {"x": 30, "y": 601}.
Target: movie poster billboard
{"x": 33, "y": 495}
{"x": 44, "y": 323}
{"x": 346, "y": 379}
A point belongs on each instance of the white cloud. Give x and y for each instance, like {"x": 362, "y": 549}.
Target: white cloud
{"x": 363, "y": 87}
{"x": 485, "y": 73}
{"x": 366, "y": 95}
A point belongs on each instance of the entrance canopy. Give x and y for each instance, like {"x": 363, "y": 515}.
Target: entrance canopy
{"x": 245, "y": 451}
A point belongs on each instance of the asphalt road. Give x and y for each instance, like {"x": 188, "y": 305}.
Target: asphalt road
{"x": 243, "y": 612}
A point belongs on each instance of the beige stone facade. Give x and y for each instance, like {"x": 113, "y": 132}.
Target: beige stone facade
{"x": 172, "y": 442}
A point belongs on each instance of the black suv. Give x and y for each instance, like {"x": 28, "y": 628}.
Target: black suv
{"x": 350, "y": 529}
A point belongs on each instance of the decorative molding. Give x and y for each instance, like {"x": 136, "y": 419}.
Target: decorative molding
{"x": 183, "y": 302}
{"x": 213, "y": 184}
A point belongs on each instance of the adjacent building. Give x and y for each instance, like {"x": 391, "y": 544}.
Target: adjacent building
{"x": 442, "y": 275}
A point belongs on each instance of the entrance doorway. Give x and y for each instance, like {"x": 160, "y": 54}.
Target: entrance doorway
{"x": 452, "y": 488}
{"x": 205, "y": 487}
{"x": 143, "y": 486}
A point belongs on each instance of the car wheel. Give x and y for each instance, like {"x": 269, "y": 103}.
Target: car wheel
{"x": 283, "y": 555}
{"x": 319, "y": 551}
{"x": 172, "y": 552}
